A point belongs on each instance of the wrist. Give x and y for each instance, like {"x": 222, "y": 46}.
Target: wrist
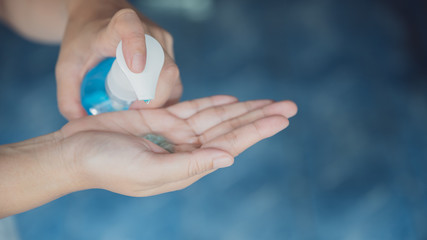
{"x": 35, "y": 172}
{"x": 69, "y": 163}
{"x": 52, "y": 157}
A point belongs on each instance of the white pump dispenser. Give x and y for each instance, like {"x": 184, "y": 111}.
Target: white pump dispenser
{"x": 124, "y": 86}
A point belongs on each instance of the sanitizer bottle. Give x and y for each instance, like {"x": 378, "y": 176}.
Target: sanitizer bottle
{"x": 112, "y": 86}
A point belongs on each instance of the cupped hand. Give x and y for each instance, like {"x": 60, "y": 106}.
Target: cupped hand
{"x": 108, "y": 150}
{"x": 92, "y": 35}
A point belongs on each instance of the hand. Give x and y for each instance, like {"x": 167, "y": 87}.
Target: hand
{"x": 108, "y": 150}
{"x": 93, "y": 32}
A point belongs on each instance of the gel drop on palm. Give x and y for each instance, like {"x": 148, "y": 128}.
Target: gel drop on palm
{"x": 112, "y": 86}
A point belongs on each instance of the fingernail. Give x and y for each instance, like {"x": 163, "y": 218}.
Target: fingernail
{"x": 222, "y": 162}
{"x": 137, "y": 63}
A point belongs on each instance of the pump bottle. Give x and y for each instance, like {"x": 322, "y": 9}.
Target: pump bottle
{"x": 112, "y": 86}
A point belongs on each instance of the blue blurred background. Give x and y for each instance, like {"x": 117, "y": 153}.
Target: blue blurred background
{"x": 351, "y": 165}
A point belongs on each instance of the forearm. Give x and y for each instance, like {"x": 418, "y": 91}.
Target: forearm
{"x": 42, "y": 20}
{"x": 33, "y": 173}
{"x": 46, "y": 20}
{"x": 94, "y": 9}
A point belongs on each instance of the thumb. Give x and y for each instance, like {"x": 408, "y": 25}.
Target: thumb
{"x": 127, "y": 26}
{"x": 179, "y": 166}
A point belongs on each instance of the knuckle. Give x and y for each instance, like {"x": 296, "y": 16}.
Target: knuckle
{"x": 247, "y": 106}
{"x": 258, "y": 131}
{"x": 66, "y": 71}
{"x": 192, "y": 121}
{"x": 65, "y": 110}
{"x": 194, "y": 167}
{"x": 232, "y": 140}
{"x": 220, "y": 111}
{"x": 235, "y": 123}
{"x": 171, "y": 71}
{"x": 263, "y": 112}
{"x": 202, "y": 138}
{"x": 127, "y": 21}
{"x": 124, "y": 13}
{"x": 58, "y": 70}
{"x": 194, "y": 104}
{"x": 178, "y": 89}
{"x": 168, "y": 37}
{"x": 68, "y": 109}
{"x": 61, "y": 66}
{"x": 135, "y": 36}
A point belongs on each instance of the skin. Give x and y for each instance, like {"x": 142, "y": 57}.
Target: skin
{"x": 107, "y": 151}
{"x": 90, "y": 31}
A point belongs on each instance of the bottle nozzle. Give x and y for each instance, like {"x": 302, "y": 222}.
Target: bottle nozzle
{"x": 139, "y": 86}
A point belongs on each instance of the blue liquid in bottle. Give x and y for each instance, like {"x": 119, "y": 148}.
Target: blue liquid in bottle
{"x": 94, "y": 96}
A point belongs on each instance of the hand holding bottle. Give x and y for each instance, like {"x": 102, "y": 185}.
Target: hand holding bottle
{"x": 93, "y": 33}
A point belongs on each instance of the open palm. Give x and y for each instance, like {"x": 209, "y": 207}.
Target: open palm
{"x": 205, "y": 134}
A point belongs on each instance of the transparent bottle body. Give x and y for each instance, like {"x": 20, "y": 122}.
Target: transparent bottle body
{"x": 95, "y": 96}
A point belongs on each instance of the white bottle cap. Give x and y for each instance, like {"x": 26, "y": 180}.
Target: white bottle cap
{"x": 123, "y": 85}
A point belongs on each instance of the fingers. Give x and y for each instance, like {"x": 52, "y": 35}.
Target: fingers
{"x": 179, "y": 170}
{"x": 128, "y": 26}
{"x": 68, "y": 90}
{"x": 240, "y": 139}
{"x": 210, "y": 117}
{"x": 285, "y": 108}
{"x": 187, "y": 109}
{"x": 175, "y": 95}
{"x": 168, "y": 86}
{"x": 180, "y": 166}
